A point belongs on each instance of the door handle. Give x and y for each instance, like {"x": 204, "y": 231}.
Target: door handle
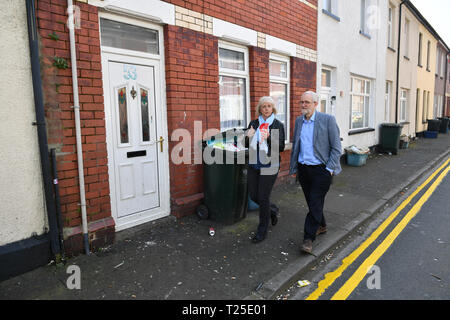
{"x": 161, "y": 140}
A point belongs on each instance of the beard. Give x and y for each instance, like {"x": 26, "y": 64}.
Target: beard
{"x": 305, "y": 112}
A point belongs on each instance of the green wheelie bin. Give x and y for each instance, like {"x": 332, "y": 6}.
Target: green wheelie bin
{"x": 224, "y": 178}
{"x": 390, "y": 137}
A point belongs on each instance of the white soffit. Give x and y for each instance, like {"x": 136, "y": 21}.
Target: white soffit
{"x": 153, "y": 10}
{"x": 281, "y": 46}
{"x": 234, "y": 33}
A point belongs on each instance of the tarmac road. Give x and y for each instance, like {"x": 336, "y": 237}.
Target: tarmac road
{"x": 411, "y": 256}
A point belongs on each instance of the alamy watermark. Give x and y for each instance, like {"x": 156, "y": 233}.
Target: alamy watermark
{"x": 374, "y": 280}
{"x": 74, "y": 280}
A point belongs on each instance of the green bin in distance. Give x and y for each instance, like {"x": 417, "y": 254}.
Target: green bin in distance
{"x": 225, "y": 187}
{"x": 434, "y": 125}
{"x": 444, "y": 125}
{"x": 390, "y": 137}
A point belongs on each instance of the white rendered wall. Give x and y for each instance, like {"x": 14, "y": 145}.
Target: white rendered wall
{"x": 347, "y": 52}
{"x": 22, "y": 211}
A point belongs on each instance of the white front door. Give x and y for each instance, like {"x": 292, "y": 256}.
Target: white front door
{"x": 325, "y": 101}
{"x": 138, "y": 143}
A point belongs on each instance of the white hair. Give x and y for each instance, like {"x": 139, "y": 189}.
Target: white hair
{"x": 266, "y": 100}
{"x": 315, "y": 96}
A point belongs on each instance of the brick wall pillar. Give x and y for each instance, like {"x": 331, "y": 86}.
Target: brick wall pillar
{"x": 58, "y": 101}
{"x": 259, "y": 77}
{"x": 192, "y": 95}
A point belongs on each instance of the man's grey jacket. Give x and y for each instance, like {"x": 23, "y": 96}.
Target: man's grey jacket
{"x": 327, "y": 142}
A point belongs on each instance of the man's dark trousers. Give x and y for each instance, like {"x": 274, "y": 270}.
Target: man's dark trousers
{"x": 315, "y": 182}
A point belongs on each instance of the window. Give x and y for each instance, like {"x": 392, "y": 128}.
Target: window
{"x": 438, "y": 61}
{"x": 326, "y": 79}
{"x": 387, "y": 101}
{"x": 403, "y": 105}
{"x": 326, "y": 104}
{"x": 417, "y": 103}
{"x": 428, "y": 55}
{"x": 438, "y": 105}
{"x": 425, "y": 107}
{"x": 126, "y": 36}
{"x": 279, "y": 88}
{"x": 233, "y": 86}
{"x": 360, "y": 103}
{"x": 420, "y": 49}
{"x": 443, "y": 56}
{"x": 364, "y": 29}
{"x": 327, "y": 5}
{"x": 406, "y": 38}
{"x": 391, "y": 27}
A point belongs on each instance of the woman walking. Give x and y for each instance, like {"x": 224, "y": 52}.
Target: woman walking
{"x": 262, "y": 175}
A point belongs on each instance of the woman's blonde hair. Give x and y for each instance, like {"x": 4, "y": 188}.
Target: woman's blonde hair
{"x": 265, "y": 100}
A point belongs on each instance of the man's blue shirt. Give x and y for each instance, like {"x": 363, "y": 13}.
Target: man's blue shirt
{"x": 306, "y": 154}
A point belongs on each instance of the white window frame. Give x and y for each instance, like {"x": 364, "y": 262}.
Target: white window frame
{"x": 420, "y": 49}
{"x": 364, "y": 5}
{"x": 365, "y": 94}
{"x": 403, "y": 105}
{"x": 237, "y": 74}
{"x": 286, "y": 81}
{"x": 391, "y": 13}
{"x": 438, "y": 61}
{"x": 406, "y": 35}
{"x": 327, "y": 91}
{"x": 387, "y": 101}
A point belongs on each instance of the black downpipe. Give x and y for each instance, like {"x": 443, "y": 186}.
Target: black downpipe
{"x": 41, "y": 129}
{"x": 398, "y": 59}
{"x": 446, "y": 106}
{"x": 57, "y": 200}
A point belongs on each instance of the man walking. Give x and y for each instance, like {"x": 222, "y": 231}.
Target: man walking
{"x": 315, "y": 159}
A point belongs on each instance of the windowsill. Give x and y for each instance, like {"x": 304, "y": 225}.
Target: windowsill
{"x": 328, "y": 13}
{"x": 424, "y": 122}
{"x": 393, "y": 50}
{"x": 358, "y": 131}
{"x": 405, "y": 122}
{"x": 406, "y": 58}
{"x": 364, "y": 34}
{"x": 428, "y": 70}
{"x": 420, "y": 66}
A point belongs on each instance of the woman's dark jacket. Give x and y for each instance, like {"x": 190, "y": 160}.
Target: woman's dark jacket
{"x": 276, "y": 124}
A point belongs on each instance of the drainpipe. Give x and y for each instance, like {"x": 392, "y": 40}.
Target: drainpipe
{"x": 445, "y": 111}
{"x": 76, "y": 107}
{"x": 41, "y": 130}
{"x": 398, "y": 59}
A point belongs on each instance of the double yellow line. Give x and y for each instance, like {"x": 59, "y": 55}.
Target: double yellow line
{"x": 361, "y": 272}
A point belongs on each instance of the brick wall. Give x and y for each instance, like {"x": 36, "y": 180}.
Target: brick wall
{"x": 58, "y": 102}
{"x": 192, "y": 95}
{"x": 291, "y": 20}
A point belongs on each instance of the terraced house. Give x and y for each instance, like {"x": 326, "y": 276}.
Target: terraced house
{"x": 144, "y": 68}
{"x": 96, "y": 91}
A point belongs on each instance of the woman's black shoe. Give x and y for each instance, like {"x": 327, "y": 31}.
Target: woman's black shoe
{"x": 274, "y": 214}
{"x": 258, "y": 238}
{"x": 274, "y": 219}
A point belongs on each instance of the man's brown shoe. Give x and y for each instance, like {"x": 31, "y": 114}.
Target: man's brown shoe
{"x": 307, "y": 246}
{"x": 321, "y": 230}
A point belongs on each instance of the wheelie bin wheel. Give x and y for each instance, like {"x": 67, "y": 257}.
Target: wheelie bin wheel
{"x": 202, "y": 212}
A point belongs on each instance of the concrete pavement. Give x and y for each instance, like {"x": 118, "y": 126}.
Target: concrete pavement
{"x": 178, "y": 259}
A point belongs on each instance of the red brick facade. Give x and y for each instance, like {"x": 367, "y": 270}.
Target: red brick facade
{"x": 192, "y": 94}
{"x": 290, "y": 20}
{"x": 58, "y": 100}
